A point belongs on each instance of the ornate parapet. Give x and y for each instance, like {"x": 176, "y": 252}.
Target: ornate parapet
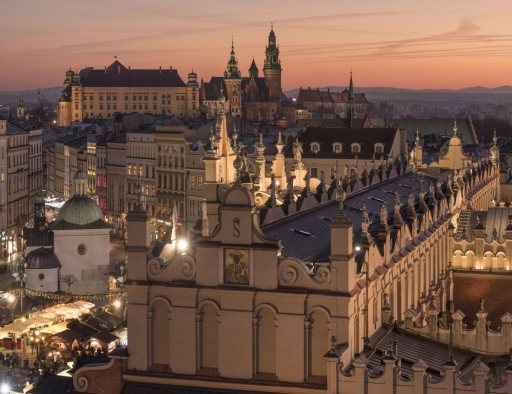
{"x": 294, "y": 273}
{"x": 181, "y": 267}
{"x": 479, "y": 339}
{"x": 104, "y": 378}
{"x": 389, "y": 378}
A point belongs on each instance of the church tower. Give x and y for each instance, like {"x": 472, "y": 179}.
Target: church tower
{"x": 233, "y": 83}
{"x": 272, "y": 67}
{"x": 351, "y": 113}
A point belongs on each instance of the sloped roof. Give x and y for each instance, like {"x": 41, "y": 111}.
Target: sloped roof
{"x": 437, "y": 126}
{"x": 327, "y": 136}
{"x": 118, "y": 75}
{"x": 494, "y": 221}
{"x": 496, "y": 290}
{"x": 317, "y": 95}
{"x": 306, "y": 235}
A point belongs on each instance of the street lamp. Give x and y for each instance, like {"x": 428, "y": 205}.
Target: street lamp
{"x": 5, "y": 388}
{"x": 366, "y": 339}
{"x": 182, "y": 245}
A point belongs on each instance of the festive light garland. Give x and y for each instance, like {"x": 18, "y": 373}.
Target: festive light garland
{"x": 68, "y": 297}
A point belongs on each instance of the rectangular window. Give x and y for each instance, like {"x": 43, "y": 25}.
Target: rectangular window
{"x": 134, "y": 98}
{"x": 101, "y": 106}
{"x": 199, "y": 182}
{"x": 91, "y": 98}
{"x": 314, "y": 172}
{"x": 101, "y": 97}
{"x": 192, "y": 183}
{"x": 125, "y": 97}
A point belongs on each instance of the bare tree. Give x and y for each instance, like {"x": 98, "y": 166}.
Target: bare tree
{"x": 69, "y": 280}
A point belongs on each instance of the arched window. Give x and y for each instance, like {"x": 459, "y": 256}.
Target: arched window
{"x": 501, "y": 261}
{"x": 315, "y": 147}
{"x": 379, "y": 149}
{"x": 266, "y": 342}
{"x": 487, "y": 261}
{"x": 457, "y": 259}
{"x": 209, "y": 359}
{"x": 356, "y": 148}
{"x": 336, "y": 148}
{"x": 160, "y": 334}
{"x": 470, "y": 259}
{"x": 318, "y": 344}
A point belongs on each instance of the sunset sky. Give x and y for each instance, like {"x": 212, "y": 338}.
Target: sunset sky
{"x": 400, "y": 43}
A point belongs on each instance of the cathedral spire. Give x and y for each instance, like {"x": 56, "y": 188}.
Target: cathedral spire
{"x": 351, "y": 110}
{"x": 351, "y": 87}
{"x": 232, "y": 71}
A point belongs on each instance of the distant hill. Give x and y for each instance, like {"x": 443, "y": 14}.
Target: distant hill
{"x": 389, "y": 90}
{"x": 30, "y": 97}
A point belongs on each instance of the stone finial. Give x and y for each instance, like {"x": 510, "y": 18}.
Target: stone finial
{"x": 297, "y": 152}
{"x": 238, "y": 164}
{"x": 273, "y": 198}
{"x": 234, "y": 137}
{"x": 341, "y": 196}
{"x": 482, "y": 306}
{"x": 383, "y": 214}
{"x": 279, "y": 144}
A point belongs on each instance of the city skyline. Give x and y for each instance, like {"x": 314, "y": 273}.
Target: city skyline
{"x": 434, "y": 45}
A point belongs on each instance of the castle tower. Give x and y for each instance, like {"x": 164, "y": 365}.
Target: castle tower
{"x": 272, "y": 67}
{"x": 233, "y": 83}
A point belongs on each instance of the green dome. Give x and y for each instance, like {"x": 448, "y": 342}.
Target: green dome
{"x": 80, "y": 175}
{"x": 80, "y": 210}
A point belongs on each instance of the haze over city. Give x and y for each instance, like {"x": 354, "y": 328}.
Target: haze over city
{"x": 434, "y": 44}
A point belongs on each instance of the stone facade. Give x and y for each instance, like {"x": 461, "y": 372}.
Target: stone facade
{"x": 95, "y": 93}
{"x": 262, "y": 292}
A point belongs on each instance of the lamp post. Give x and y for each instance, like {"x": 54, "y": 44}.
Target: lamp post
{"x": 366, "y": 339}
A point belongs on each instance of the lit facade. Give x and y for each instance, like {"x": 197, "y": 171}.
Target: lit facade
{"x": 96, "y": 93}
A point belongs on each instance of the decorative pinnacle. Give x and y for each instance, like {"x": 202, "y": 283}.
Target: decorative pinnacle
{"x": 138, "y": 191}
{"x": 341, "y": 196}
{"x": 234, "y": 137}
{"x": 494, "y": 138}
{"x": 455, "y": 129}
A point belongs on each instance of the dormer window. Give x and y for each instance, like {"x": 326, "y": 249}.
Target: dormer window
{"x": 336, "y": 148}
{"x": 315, "y": 147}
{"x": 379, "y": 149}
{"x": 356, "y": 148}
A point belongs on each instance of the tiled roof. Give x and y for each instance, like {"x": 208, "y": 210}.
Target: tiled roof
{"x": 327, "y": 136}
{"x": 495, "y": 289}
{"x": 306, "y": 234}
{"x": 118, "y": 75}
{"x": 411, "y": 348}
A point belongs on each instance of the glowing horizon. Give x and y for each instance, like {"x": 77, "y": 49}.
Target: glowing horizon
{"x": 401, "y": 44}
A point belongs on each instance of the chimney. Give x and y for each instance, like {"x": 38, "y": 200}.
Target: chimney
{"x": 105, "y": 69}
{"x": 160, "y": 69}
